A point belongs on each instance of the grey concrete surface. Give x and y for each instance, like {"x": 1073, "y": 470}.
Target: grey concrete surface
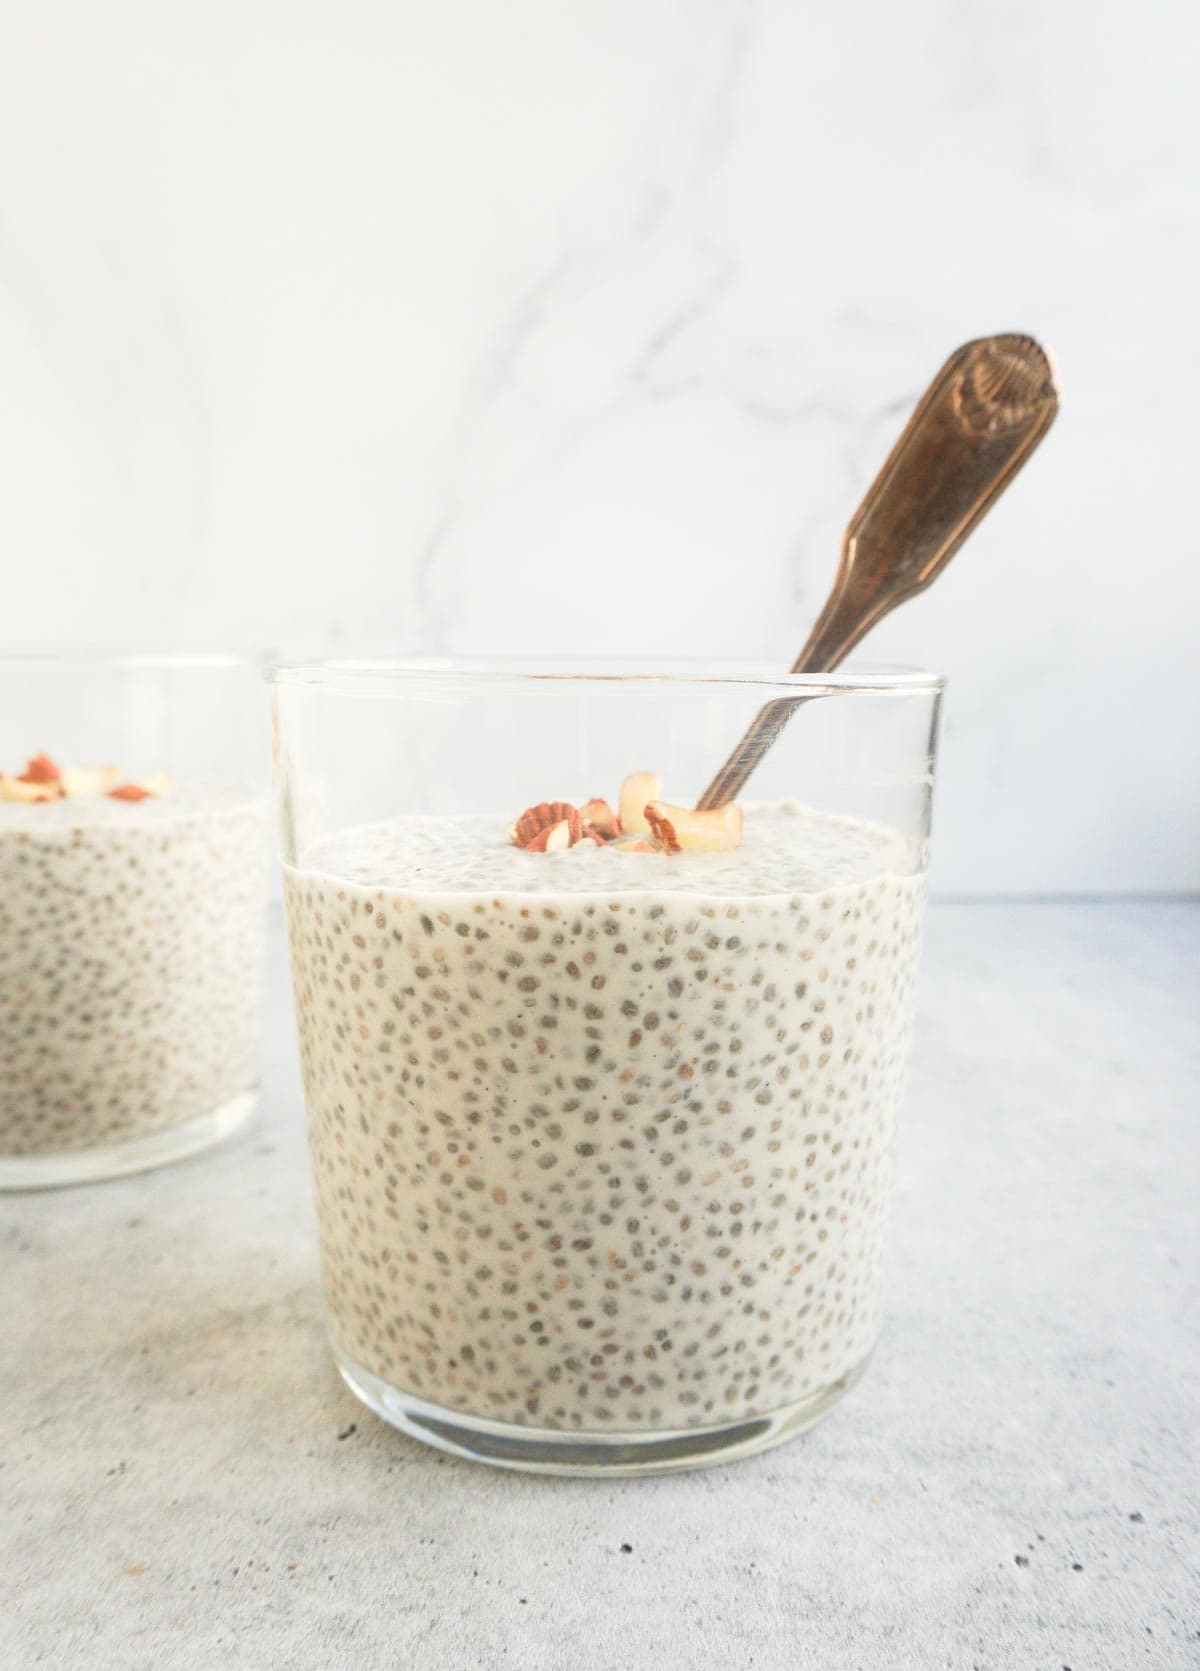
{"x": 185, "y": 1484}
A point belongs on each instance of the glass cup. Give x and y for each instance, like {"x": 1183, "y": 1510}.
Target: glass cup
{"x": 132, "y": 908}
{"x": 602, "y": 1135}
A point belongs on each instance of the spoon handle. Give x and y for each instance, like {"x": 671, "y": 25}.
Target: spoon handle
{"x": 979, "y": 420}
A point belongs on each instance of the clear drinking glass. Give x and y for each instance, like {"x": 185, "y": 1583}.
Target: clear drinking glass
{"x": 602, "y": 1138}
{"x": 131, "y": 923}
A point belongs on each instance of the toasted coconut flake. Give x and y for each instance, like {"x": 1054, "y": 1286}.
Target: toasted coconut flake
{"x": 535, "y": 819}
{"x": 684, "y": 830}
{"x": 637, "y": 789}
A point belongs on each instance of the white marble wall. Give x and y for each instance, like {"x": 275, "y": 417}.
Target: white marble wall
{"x": 567, "y": 326}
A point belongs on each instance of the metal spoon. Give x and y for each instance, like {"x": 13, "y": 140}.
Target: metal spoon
{"x": 979, "y": 420}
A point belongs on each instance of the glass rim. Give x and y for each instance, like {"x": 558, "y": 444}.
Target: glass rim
{"x": 134, "y": 661}
{"x": 354, "y": 677}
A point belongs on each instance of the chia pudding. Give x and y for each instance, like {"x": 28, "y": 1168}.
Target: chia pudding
{"x": 131, "y": 941}
{"x": 603, "y": 1140}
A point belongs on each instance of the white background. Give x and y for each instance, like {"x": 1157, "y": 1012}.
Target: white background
{"x": 561, "y": 326}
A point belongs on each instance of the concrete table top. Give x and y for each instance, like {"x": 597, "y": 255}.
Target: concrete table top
{"x": 185, "y": 1483}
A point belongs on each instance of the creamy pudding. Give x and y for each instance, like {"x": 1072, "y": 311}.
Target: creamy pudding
{"x": 603, "y": 1139}
{"x": 131, "y": 945}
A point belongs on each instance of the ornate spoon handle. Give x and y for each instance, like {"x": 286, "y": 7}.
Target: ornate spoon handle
{"x": 979, "y": 420}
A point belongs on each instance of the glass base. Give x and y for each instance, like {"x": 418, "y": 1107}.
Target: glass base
{"x": 134, "y": 1154}
{"x": 536, "y": 1450}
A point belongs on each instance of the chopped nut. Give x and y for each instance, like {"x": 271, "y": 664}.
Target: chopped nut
{"x": 635, "y": 792}
{"x": 635, "y": 844}
{"x": 88, "y": 780}
{"x": 682, "y": 829}
{"x": 44, "y": 780}
{"x": 536, "y": 819}
{"x": 599, "y": 819}
{"x": 552, "y": 839}
{"x": 41, "y": 769}
{"x": 20, "y": 789}
{"x": 159, "y": 784}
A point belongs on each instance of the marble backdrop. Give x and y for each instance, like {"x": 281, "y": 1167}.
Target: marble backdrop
{"x": 560, "y": 326}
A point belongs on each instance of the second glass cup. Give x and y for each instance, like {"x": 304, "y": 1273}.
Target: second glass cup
{"x": 602, "y": 1133}
{"x": 132, "y": 910}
